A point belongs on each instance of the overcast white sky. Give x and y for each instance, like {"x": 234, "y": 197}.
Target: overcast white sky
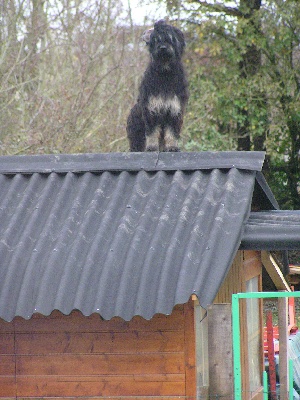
{"x": 139, "y": 13}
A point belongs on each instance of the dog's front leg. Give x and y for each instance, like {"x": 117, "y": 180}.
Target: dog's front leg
{"x": 153, "y": 139}
{"x": 171, "y": 134}
{"x": 171, "y": 140}
{"x": 152, "y": 131}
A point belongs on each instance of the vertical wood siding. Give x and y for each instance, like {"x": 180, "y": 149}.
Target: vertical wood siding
{"x": 246, "y": 265}
{"x": 71, "y": 356}
{"x": 234, "y": 281}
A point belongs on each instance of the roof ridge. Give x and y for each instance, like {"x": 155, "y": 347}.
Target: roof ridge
{"x": 148, "y": 161}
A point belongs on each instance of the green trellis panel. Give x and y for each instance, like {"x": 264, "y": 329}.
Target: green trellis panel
{"x": 236, "y": 335}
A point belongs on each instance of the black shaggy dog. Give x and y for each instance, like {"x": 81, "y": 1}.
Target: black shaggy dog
{"x": 155, "y": 121}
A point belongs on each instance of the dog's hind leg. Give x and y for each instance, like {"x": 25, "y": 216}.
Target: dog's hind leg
{"x": 136, "y": 130}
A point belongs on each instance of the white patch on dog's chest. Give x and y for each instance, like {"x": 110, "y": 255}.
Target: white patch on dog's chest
{"x": 159, "y": 104}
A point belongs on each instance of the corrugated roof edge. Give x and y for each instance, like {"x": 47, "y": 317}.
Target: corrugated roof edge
{"x": 152, "y": 161}
{"x": 262, "y": 189}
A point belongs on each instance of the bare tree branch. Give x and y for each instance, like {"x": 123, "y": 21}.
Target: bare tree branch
{"x": 219, "y": 7}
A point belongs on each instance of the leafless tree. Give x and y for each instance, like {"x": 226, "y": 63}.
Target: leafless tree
{"x": 69, "y": 73}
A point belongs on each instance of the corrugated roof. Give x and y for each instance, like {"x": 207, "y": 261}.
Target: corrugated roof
{"x": 272, "y": 230}
{"x": 119, "y": 234}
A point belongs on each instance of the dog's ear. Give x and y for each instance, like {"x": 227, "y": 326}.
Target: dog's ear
{"x": 146, "y": 35}
{"x": 180, "y": 37}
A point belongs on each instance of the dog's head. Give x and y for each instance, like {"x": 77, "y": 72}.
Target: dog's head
{"x": 166, "y": 43}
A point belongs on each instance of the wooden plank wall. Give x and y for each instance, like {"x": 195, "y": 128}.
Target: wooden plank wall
{"x": 71, "y": 356}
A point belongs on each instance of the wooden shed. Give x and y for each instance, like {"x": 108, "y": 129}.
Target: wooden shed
{"x": 104, "y": 260}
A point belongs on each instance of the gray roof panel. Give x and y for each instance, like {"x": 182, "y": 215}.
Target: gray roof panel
{"x": 118, "y": 243}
